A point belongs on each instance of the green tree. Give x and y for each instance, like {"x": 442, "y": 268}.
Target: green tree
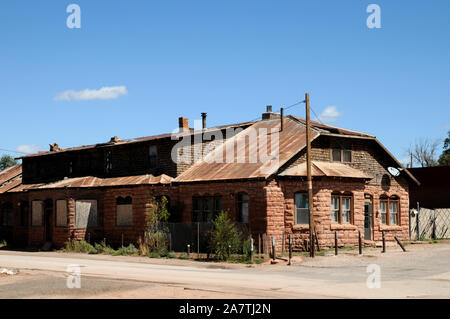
{"x": 7, "y": 161}
{"x": 156, "y": 233}
{"x": 224, "y": 238}
{"x": 444, "y": 159}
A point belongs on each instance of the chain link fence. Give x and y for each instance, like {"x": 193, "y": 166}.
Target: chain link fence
{"x": 430, "y": 223}
{"x": 180, "y": 235}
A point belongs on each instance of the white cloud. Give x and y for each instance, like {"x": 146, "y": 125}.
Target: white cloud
{"x": 28, "y": 149}
{"x": 330, "y": 114}
{"x": 104, "y": 93}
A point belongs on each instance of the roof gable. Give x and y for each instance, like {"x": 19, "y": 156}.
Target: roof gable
{"x": 249, "y": 142}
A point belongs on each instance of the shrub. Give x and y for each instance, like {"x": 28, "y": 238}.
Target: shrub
{"x": 126, "y": 251}
{"x": 79, "y": 246}
{"x": 246, "y": 247}
{"x": 156, "y": 235}
{"x": 171, "y": 254}
{"x": 154, "y": 254}
{"x": 224, "y": 238}
{"x": 102, "y": 248}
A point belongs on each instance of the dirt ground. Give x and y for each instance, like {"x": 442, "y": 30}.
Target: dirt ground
{"x": 421, "y": 272}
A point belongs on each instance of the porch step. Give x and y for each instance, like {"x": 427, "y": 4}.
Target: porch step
{"x": 47, "y": 246}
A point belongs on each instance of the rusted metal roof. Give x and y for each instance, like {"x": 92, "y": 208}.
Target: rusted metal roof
{"x": 291, "y": 140}
{"x": 10, "y": 173}
{"x": 328, "y": 169}
{"x": 92, "y": 181}
{"x": 136, "y": 140}
{"x": 331, "y": 128}
{"x": 10, "y": 178}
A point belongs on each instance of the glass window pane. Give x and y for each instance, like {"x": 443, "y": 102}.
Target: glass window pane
{"x": 301, "y": 208}
{"x": 393, "y": 212}
{"x": 383, "y": 210}
{"x": 346, "y": 209}
{"x": 347, "y": 155}
{"x": 337, "y": 155}
{"x": 301, "y": 200}
{"x": 335, "y": 209}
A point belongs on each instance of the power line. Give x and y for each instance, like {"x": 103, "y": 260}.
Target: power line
{"x": 9, "y": 151}
{"x": 279, "y": 110}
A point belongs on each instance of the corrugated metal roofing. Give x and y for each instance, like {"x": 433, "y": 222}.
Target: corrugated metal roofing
{"x": 10, "y": 178}
{"x": 10, "y": 173}
{"x": 328, "y": 169}
{"x": 331, "y": 128}
{"x": 137, "y": 140}
{"x": 291, "y": 140}
{"x": 92, "y": 181}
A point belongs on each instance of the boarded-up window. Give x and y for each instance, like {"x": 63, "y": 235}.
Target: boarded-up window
{"x": 124, "y": 211}
{"x": 36, "y": 213}
{"x": 86, "y": 213}
{"x": 61, "y": 213}
{"x": 6, "y": 215}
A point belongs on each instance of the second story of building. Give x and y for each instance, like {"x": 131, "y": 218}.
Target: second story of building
{"x": 169, "y": 154}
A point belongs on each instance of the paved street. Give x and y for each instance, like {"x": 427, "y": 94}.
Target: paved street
{"x": 422, "y": 272}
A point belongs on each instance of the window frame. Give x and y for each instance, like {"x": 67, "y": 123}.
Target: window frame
{"x": 340, "y": 213}
{"x": 42, "y": 213}
{"x": 202, "y": 200}
{"x": 56, "y": 213}
{"x": 125, "y": 199}
{"x": 296, "y": 208}
{"x": 343, "y": 148}
{"x": 388, "y": 200}
{"x": 97, "y": 224}
{"x": 241, "y": 201}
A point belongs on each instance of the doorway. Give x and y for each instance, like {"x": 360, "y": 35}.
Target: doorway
{"x": 368, "y": 217}
{"x": 48, "y": 214}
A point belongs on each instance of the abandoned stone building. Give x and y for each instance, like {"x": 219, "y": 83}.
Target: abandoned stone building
{"x": 102, "y": 191}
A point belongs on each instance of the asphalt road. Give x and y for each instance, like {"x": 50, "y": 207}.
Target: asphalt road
{"x": 422, "y": 272}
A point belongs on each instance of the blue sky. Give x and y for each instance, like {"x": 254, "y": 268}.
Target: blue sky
{"x": 226, "y": 58}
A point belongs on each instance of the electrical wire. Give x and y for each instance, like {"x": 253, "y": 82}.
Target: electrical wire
{"x": 9, "y": 151}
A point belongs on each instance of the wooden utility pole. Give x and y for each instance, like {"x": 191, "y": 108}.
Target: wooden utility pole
{"x": 309, "y": 177}
{"x": 411, "y": 165}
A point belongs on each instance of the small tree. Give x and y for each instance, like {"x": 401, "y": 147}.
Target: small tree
{"x": 155, "y": 230}
{"x": 224, "y": 238}
{"x": 7, "y": 161}
{"x": 424, "y": 152}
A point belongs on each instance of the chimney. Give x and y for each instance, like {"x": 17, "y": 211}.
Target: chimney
{"x": 54, "y": 147}
{"x": 204, "y": 120}
{"x": 114, "y": 140}
{"x": 183, "y": 124}
{"x": 282, "y": 119}
{"x": 268, "y": 115}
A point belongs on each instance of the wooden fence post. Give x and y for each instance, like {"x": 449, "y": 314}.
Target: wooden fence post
{"x": 359, "y": 242}
{"x": 335, "y": 242}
